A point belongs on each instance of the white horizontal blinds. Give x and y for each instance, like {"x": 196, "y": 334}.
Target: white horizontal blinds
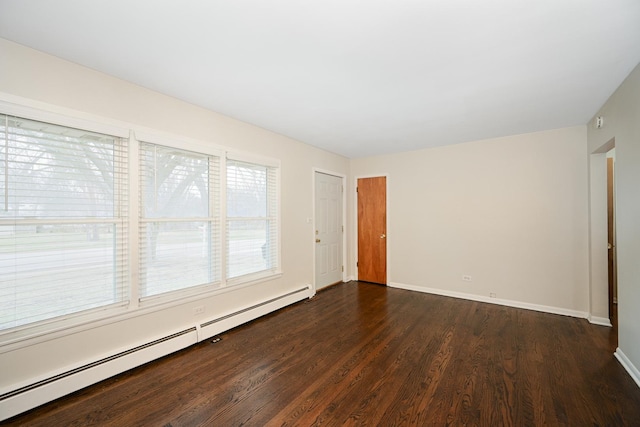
{"x": 179, "y": 223}
{"x": 252, "y": 212}
{"x": 63, "y": 221}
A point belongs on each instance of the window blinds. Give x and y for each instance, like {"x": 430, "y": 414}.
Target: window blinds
{"x": 252, "y": 212}
{"x": 64, "y": 217}
{"x": 63, "y": 221}
{"x": 179, "y": 221}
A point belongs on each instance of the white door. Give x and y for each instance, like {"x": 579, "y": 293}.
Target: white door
{"x": 329, "y": 229}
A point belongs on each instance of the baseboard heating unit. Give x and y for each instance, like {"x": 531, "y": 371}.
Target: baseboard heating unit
{"x": 44, "y": 390}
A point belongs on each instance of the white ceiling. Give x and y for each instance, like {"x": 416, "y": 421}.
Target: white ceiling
{"x": 356, "y": 77}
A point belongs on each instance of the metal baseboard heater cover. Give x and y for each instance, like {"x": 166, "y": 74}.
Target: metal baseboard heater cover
{"x": 92, "y": 365}
{"x": 253, "y": 307}
{"x": 8, "y": 409}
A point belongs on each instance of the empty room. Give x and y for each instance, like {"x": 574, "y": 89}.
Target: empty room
{"x": 255, "y": 213}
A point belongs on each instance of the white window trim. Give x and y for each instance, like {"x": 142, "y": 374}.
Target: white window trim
{"x": 261, "y": 161}
{"x": 47, "y": 330}
{"x": 253, "y": 158}
{"x": 199, "y": 289}
{"x": 61, "y": 119}
{"x": 66, "y": 321}
{"x": 180, "y": 143}
{"x": 59, "y": 329}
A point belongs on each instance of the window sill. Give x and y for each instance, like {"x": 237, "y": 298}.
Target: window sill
{"x": 28, "y": 336}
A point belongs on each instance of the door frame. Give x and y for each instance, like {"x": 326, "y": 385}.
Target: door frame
{"x": 313, "y": 219}
{"x": 598, "y": 254}
{"x": 355, "y": 220}
{"x": 612, "y": 261}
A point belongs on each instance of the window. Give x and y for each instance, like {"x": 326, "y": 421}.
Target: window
{"x": 179, "y": 224}
{"x": 65, "y": 253}
{"x": 252, "y": 219}
{"x": 63, "y": 221}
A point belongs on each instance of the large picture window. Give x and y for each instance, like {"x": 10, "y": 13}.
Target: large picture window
{"x": 63, "y": 221}
{"x": 179, "y": 223}
{"x": 197, "y": 222}
{"x": 252, "y": 225}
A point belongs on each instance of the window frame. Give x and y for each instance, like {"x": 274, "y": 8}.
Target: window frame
{"x": 9, "y": 336}
{"x": 213, "y": 219}
{"x": 30, "y": 334}
{"x": 273, "y": 205}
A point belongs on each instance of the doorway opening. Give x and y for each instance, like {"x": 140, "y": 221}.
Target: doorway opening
{"x": 611, "y": 243}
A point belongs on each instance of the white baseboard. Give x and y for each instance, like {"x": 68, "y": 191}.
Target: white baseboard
{"x": 45, "y": 389}
{"x": 499, "y": 301}
{"x": 627, "y": 365}
{"x": 602, "y": 321}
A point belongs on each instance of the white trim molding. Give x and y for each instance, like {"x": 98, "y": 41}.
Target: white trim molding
{"x": 499, "y": 301}
{"x": 602, "y": 321}
{"x": 627, "y": 365}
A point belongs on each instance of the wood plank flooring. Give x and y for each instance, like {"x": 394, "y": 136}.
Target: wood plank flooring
{"x": 367, "y": 355}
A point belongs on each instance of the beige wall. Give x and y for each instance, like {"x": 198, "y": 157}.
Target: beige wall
{"x": 510, "y": 212}
{"x": 621, "y": 125}
{"x": 35, "y": 76}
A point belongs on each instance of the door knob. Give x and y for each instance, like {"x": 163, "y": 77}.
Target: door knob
{"x": 382, "y": 236}
{"x": 317, "y": 240}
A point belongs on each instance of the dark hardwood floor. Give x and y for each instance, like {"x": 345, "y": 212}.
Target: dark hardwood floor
{"x": 362, "y": 354}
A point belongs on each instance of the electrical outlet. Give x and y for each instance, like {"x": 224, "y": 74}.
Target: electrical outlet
{"x": 492, "y": 295}
{"x": 466, "y": 278}
{"x": 198, "y": 310}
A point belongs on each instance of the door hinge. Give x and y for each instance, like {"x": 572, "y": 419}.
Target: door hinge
{"x": 356, "y": 263}
{"x": 343, "y": 268}
{"x": 343, "y": 228}
{"x": 356, "y": 189}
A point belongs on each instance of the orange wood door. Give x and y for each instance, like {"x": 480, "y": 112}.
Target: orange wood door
{"x": 372, "y": 230}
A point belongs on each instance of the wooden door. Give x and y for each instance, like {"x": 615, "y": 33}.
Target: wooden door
{"x": 372, "y": 230}
{"x": 611, "y": 243}
{"x": 329, "y": 229}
